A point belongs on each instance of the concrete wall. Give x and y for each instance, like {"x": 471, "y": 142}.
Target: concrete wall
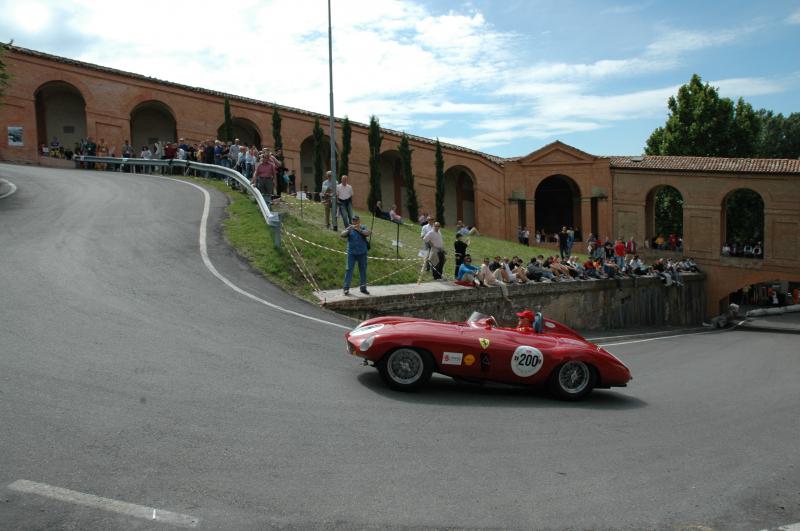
{"x": 587, "y": 305}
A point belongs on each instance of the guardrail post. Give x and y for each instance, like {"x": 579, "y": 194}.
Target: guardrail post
{"x": 275, "y": 223}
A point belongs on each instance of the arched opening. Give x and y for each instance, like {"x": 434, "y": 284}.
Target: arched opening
{"x": 152, "y": 121}
{"x": 743, "y": 219}
{"x": 245, "y": 130}
{"x": 459, "y": 196}
{"x": 664, "y": 218}
{"x": 60, "y": 117}
{"x": 307, "y": 162}
{"x": 393, "y": 191}
{"x": 557, "y": 203}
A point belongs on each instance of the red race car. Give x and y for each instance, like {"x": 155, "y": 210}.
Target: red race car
{"x": 406, "y": 351}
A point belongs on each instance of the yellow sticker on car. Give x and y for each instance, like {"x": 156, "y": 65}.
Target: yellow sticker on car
{"x": 469, "y": 359}
{"x": 484, "y": 343}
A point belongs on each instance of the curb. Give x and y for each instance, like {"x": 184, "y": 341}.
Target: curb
{"x": 760, "y": 312}
{"x": 755, "y": 326}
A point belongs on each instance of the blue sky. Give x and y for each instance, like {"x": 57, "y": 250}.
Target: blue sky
{"x": 502, "y": 77}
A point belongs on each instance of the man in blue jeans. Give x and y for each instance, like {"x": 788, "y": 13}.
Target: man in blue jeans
{"x": 356, "y": 235}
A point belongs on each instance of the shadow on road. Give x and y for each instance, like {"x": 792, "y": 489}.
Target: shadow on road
{"x": 443, "y": 391}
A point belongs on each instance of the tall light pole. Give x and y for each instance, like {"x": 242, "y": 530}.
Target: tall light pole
{"x": 334, "y": 205}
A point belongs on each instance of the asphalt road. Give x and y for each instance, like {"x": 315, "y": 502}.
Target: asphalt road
{"x": 128, "y": 371}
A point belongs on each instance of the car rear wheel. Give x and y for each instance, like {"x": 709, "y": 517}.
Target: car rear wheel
{"x": 573, "y": 380}
{"x": 406, "y": 369}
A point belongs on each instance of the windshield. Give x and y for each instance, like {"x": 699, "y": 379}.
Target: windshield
{"x": 477, "y": 316}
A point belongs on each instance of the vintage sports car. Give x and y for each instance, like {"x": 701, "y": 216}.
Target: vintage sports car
{"x": 406, "y": 351}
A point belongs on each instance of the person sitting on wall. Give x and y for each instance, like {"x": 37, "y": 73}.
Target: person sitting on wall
{"x": 467, "y": 273}
{"x": 488, "y": 278}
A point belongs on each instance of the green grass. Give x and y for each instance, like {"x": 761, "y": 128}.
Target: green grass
{"x": 245, "y": 231}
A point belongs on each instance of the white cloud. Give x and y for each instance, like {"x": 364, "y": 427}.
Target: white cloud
{"x": 794, "y": 18}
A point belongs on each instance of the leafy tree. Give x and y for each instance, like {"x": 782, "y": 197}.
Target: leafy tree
{"x": 347, "y": 133}
{"x": 5, "y": 77}
{"x": 408, "y": 178}
{"x": 439, "y": 183}
{"x": 278, "y": 144}
{"x": 227, "y": 126}
{"x": 745, "y": 132}
{"x": 375, "y": 139}
{"x": 668, "y": 204}
{"x": 779, "y": 136}
{"x": 700, "y": 123}
{"x": 319, "y": 168}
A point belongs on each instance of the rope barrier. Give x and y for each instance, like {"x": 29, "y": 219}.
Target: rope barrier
{"x": 339, "y": 251}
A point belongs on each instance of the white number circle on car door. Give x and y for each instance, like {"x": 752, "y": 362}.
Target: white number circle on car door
{"x": 526, "y": 361}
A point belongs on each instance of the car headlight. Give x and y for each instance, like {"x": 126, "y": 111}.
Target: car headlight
{"x": 366, "y": 344}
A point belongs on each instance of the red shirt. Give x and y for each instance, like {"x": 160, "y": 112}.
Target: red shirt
{"x": 619, "y": 249}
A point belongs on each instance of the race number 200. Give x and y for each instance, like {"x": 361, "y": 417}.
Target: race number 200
{"x": 526, "y": 361}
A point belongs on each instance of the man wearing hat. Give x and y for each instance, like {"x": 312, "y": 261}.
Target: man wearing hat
{"x": 357, "y": 246}
{"x": 526, "y": 322}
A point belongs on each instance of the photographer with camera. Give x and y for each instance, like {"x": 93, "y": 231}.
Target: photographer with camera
{"x": 356, "y": 235}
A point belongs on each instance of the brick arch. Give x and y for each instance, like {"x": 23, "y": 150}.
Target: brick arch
{"x": 545, "y": 217}
{"x": 734, "y": 280}
{"x": 731, "y": 186}
{"x": 61, "y": 112}
{"x": 650, "y": 211}
{"x": 75, "y": 81}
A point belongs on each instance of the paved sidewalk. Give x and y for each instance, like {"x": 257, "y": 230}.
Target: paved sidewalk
{"x": 391, "y": 290}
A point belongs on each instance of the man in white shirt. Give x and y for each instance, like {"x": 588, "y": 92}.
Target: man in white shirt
{"x": 344, "y": 199}
{"x": 433, "y": 238}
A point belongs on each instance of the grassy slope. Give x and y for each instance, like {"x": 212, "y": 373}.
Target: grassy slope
{"x": 246, "y": 231}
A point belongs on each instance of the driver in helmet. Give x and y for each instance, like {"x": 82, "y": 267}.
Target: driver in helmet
{"x": 529, "y": 322}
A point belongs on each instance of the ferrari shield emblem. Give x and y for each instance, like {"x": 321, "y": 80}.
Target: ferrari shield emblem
{"x": 484, "y": 343}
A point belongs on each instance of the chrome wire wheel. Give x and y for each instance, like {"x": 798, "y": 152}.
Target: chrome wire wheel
{"x": 574, "y": 377}
{"x": 405, "y": 366}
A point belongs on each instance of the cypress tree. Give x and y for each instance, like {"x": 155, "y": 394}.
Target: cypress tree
{"x": 344, "y": 162}
{"x": 319, "y": 168}
{"x": 227, "y": 126}
{"x": 439, "y": 183}
{"x": 375, "y": 140}
{"x": 408, "y": 178}
{"x": 278, "y": 140}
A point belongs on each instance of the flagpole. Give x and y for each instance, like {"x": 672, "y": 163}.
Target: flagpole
{"x": 334, "y": 201}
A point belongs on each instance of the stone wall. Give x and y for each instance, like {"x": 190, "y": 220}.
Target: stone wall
{"x": 584, "y": 305}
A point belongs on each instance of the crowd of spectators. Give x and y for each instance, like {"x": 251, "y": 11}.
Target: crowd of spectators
{"x": 750, "y": 249}
{"x": 607, "y": 260}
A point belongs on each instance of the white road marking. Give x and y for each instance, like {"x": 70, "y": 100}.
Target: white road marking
{"x": 596, "y": 339}
{"x": 10, "y": 185}
{"x": 650, "y": 339}
{"x": 234, "y": 287}
{"x": 105, "y": 504}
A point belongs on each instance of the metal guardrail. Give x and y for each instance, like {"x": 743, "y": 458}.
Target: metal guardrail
{"x": 130, "y": 165}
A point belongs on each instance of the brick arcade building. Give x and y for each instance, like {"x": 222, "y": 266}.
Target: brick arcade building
{"x": 51, "y": 96}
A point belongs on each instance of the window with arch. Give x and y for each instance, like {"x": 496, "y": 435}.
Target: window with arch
{"x": 743, "y": 219}
{"x": 664, "y": 228}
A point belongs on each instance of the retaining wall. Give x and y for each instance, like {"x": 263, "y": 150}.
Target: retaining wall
{"x": 585, "y": 305}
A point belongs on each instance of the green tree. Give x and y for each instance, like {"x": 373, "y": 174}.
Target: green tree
{"x": 745, "y": 132}
{"x": 278, "y": 145}
{"x": 668, "y": 204}
{"x": 319, "y": 168}
{"x": 5, "y": 77}
{"x": 227, "y": 125}
{"x": 408, "y": 178}
{"x": 700, "y": 123}
{"x": 347, "y": 133}
{"x": 439, "y": 183}
{"x": 375, "y": 139}
{"x": 779, "y": 136}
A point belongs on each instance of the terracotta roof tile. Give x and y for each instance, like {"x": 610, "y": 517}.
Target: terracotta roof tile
{"x": 707, "y": 164}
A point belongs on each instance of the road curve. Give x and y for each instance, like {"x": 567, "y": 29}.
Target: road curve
{"x": 130, "y": 372}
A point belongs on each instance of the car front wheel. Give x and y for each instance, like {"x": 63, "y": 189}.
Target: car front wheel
{"x": 573, "y": 380}
{"x": 406, "y": 369}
